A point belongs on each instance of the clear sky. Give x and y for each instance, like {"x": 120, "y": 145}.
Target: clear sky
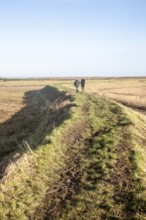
{"x": 72, "y": 38}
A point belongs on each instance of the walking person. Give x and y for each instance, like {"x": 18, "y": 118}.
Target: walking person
{"x": 82, "y": 84}
{"x": 76, "y": 84}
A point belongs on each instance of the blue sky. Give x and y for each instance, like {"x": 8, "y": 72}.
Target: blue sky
{"x": 72, "y": 38}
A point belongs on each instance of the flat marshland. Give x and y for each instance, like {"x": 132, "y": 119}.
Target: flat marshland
{"x": 67, "y": 155}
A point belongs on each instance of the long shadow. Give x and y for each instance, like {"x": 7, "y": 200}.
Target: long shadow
{"x": 44, "y": 110}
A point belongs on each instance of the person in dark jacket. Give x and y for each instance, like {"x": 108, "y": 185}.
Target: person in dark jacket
{"x": 82, "y": 84}
{"x": 76, "y": 84}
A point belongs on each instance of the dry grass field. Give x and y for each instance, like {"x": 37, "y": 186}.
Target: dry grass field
{"x": 12, "y": 94}
{"x": 18, "y": 112}
{"x": 130, "y": 92}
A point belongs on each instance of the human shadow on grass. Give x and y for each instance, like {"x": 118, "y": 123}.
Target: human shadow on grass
{"x": 44, "y": 110}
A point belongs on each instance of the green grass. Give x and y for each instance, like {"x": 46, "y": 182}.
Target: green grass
{"x": 95, "y": 201}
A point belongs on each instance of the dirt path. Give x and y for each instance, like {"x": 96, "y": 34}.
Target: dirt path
{"x": 70, "y": 178}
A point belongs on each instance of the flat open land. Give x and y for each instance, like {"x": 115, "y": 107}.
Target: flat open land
{"x": 73, "y": 156}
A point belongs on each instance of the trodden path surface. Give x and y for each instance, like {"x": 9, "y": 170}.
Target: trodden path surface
{"x": 98, "y": 180}
{"x": 78, "y": 161}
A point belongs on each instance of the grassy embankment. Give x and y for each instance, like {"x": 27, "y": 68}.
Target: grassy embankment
{"x": 88, "y": 163}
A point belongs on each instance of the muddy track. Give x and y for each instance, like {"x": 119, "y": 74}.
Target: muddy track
{"x": 122, "y": 176}
{"x": 69, "y": 184}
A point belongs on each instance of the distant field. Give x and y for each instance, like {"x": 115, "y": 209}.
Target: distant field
{"x": 12, "y": 95}
{"x": 130, "y": 92}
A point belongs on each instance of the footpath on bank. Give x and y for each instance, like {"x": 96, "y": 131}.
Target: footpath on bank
{"x": 88, "y": 163}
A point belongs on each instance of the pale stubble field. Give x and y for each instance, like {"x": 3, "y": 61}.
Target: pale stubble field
{"x": 130, "y": 92}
